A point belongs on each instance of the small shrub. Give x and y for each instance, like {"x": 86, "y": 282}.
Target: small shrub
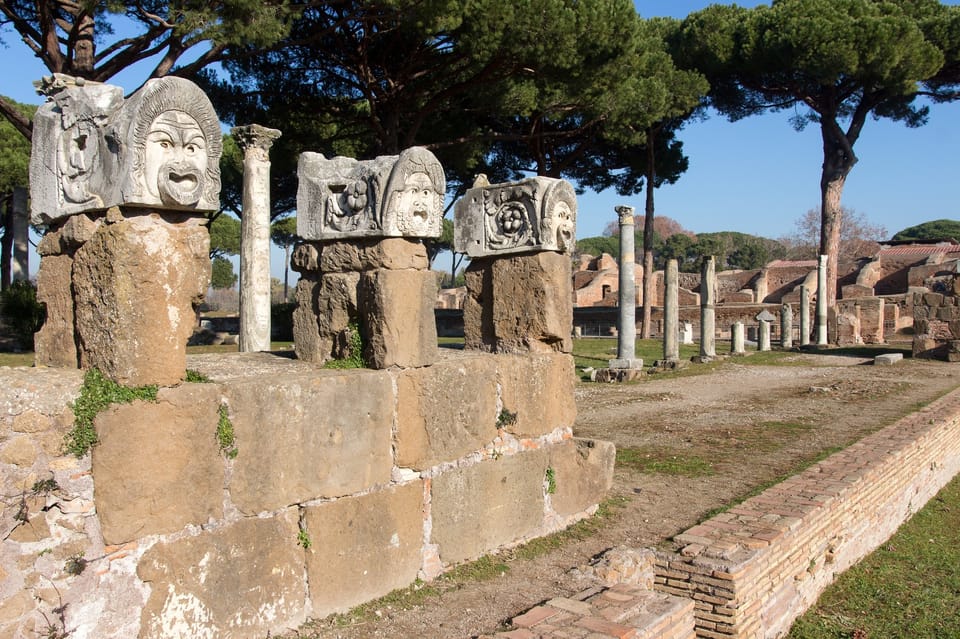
{"x": 506, "y": 418}
{"x": 225, "y": 435}
{"x": 96, "y": 394}
{"x": 44, "y": 486}
{"x": 23, "y": 314}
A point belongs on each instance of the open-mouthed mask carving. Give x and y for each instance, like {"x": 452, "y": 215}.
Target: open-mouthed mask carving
{"x": 175, "y": 161}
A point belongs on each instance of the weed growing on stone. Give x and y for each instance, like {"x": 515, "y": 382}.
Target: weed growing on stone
{"x": 96, "y": 394}
{"x": 506, "y": 418}
{"x": 303, "y": 539}
{"x": 196, "y": 377}
{"x": 44, "y": 486}
{"x": 75, "y": 565}
{"x": 551, "y": 479}
{"x": 225, "y": 435}
{"x": 355, "y": 360}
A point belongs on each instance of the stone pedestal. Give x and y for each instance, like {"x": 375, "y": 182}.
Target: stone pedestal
{"x": 255, "y": 141}
{"x": 763, "y": 341}
{"x": 123, "y": 299}
{"x": 520, "y": 303}
{"x": 381, "y": 287}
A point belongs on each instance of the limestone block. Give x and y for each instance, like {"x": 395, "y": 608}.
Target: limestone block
{"x": 158, "y": 466}
{"x": 536, "y": 214}
{"x": 245, "y": 580}
{"x": 308, "y": 437}
{"x": 398, "y": 321}
{"x": 363, "y": 254}
{"x": 135, "y": 284}
{"x": 538, "y": 389}
{"x": 55, "y": 343}
{"x": 364, "y": 547}
{"x": 583, "y": 474}
{"x": 326, "y": 305}
{"x": 519, "y": 304}
{"x": 485, "y": 506}
{"x": 389, "y": 196}
{"x": 445, "y": 411}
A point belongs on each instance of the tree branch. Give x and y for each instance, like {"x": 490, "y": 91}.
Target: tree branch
{"x": 20, "y": 122}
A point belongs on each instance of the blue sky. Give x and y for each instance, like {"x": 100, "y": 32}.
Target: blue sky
{"x": 755, "y": 176}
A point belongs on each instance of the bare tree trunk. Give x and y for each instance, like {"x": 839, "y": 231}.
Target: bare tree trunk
{"x": 6, "y": 242}
{"x": 647, "y": 313}
{"x": 286, "y": 272}
{"x": 830, "y": 221}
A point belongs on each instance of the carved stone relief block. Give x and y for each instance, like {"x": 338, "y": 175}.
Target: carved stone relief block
{"x": 93, "y": 150}
{"x": 390, "y": 196}
{"x": 536, "y": 214}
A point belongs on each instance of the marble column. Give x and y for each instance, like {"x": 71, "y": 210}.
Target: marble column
{"x": 627, "y": 295}
{"x": 21, "y": 235}
{"x": 708, "y": 312}
{"x": 763, "y": 336}
{"x": 786, "y": 326}
{"x": 822, "y": 301}
{"x": 736, "y": 339}
{"x": 804, "y": 316}
{"x": 255, "y": 140}
{"x": 671, "y": 313}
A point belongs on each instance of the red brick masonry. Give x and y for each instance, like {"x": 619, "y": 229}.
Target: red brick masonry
{"x": 750, "y": 571}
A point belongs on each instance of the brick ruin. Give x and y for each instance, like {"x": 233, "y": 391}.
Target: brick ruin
{"x": 275, "y": 489}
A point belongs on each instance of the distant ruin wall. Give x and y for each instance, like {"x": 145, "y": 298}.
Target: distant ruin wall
{"x": 754, "y": 568}
{"x": 345, "y": 485}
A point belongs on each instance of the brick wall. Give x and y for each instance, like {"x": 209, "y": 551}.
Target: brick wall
{"x": 754, "y": 568}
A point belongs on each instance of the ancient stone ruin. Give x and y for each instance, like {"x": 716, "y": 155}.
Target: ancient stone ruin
{"x": 123, "y": 187}
{"x": 275, "y": 489}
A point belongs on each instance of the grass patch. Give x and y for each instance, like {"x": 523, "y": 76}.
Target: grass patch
{"x": 355, "y": 358}
{"x": 226, "y": 438}
{"x": 17, "y": 359}
{"x": 646, "y": 460}
{"x": 909, "y": 587}
{"x": 96, "y": 394}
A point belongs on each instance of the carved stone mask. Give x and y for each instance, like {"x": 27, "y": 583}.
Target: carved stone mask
{"x": 175, "y": 159}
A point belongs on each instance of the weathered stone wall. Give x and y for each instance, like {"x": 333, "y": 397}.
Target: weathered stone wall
{"x": 345, "y": 485}
{"x": 754, "y": 568}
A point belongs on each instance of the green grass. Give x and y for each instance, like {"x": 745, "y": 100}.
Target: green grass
{"x": 16, "y": 359}
{"x": 909, "y": 588}
{"x": 663, "y": 462}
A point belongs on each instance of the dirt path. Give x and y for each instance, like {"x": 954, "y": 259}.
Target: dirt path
{"x": 712, "y": 438}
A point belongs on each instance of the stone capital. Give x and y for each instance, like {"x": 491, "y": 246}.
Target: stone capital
{"x": 625, "y": 213}
{"x": 254, "y": 137}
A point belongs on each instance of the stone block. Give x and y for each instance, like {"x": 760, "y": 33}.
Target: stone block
{"x": 888, "y": 359}
{"x": 519, "y": 304}
{"x": 243, "y": 580}
{"x": 389, "y": 196}
{"x": 479, "y": 508}
{"x": 583, "y": 474}
{"x": 365, "y": 254}
{"x": 536, "y": 214}
{"x": 397, "y": 318}
{"x": 445, "y": 411}
{"x": 326, "y": 305}
{"x": 363, "y": 547}
{"x": 135, "y": 287}
{"x": 157, "y": 466}
{"x": 308, "y": 437}
{"x": 55, "y": 343}
{"x": 538, "y": 390}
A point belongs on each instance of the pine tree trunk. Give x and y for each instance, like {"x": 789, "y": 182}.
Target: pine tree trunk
{"x": 648, "y": 239}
